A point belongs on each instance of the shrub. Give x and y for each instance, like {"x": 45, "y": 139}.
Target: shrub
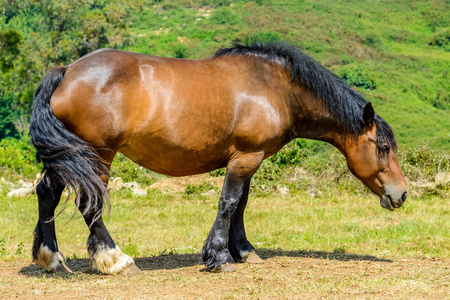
{"x": 225, "y": 16}
{"x": 346, "y": 60}
{"x": 180, "y": 51}
{"x": 373, "y": 39}
{"x": 441, "y": 39}
{"x": 357, "y": 76}
{"x": 17, "y": 157}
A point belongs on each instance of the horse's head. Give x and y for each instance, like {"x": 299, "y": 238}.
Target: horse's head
{"x": 374, "y": 162}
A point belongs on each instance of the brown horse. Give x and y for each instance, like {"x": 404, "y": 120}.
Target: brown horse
{"x": 181, "y": 117}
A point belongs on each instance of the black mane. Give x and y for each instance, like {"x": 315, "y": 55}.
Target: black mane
{"x": 342, "y": 101}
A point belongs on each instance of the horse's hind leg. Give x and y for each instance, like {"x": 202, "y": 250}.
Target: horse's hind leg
{"x": 45, "y": 247}
{"x": 238, "y": 245}
{"x": 106, "y": 257}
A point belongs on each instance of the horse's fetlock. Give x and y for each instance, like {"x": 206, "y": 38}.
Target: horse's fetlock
{"x": 46, "y": 258}
{"x": 110, "y": 260}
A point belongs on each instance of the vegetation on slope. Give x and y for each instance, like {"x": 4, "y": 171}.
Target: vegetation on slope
{"x": 394, "y": 52}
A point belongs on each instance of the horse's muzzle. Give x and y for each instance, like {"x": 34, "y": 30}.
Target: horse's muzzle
{"x": 387, "y": 202}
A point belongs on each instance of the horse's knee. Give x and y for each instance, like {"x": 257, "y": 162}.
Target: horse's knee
{"x": 227, "y": 207}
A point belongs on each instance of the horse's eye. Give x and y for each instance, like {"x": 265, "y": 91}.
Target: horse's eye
{"x": 386, "y": 148}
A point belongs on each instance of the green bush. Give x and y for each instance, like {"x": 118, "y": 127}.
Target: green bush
{"x": 441, "y": 39}
{"x": 225, "y": 16}
{"x": 346, "y": 60}
{"x": 180, "y": 50}
{"x": 357, "y": 76}
{"x": 373, "y": 39}
{"x": 7, "y": 117}
{"x": 291, "y": 154}
{"x": 18, "y": 157}
{"x": 272, "y": 169}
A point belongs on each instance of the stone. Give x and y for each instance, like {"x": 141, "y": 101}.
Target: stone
{"x": 139, "y": 192}
{"x": 22, "y": 192}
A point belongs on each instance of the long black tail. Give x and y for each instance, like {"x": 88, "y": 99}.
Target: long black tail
{"x": 65, "y": 156}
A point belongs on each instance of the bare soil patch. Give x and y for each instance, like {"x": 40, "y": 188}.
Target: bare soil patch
{"x": 284, "y": 275}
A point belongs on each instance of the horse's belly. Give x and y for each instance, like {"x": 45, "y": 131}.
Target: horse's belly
{"x": 172, "y": 158}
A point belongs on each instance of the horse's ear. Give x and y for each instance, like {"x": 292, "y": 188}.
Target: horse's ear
{"x": 368, "y": 114}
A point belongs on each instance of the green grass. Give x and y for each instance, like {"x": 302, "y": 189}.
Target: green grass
{"x": 172, "y": 223}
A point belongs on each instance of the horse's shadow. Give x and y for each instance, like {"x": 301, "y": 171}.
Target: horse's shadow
{"x": 178, "y": 261}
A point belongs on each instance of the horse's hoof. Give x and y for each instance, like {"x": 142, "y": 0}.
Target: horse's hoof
{"x": 226, "y": 268}
{"x": 63, "y": 267}
{"x": 252, "y": 258}
{"x": 131, "y": 269}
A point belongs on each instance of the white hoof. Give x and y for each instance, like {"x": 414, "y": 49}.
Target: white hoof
{"x": 111, "y": 261}
{"x": 51, "y": 261}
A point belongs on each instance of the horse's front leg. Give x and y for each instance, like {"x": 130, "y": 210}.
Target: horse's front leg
{"x": 238, "y": 245}
{"x": 216, "y": 254}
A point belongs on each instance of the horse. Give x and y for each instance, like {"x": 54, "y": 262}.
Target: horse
{"x": 181, "y": 117}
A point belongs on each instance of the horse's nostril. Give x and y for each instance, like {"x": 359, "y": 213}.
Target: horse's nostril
{"x": 405, "y": 194}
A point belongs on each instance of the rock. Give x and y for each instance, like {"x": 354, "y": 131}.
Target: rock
{"x": 132, "y": 185}
{"x": 283, "y": 191}
{"x": 6, "y": 185}
{"x": 22, "y": 192}
{"x": 118, "y": 181}
{"x": 25, "y": 184}
{"x": 139, "y": 192}
{"x": 115, "y": 184}
{"x": 178, "y": 184}
{"x": 118, "y": 184}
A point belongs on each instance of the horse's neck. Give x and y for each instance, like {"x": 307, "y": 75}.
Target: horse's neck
{"x": 312, "y": 120}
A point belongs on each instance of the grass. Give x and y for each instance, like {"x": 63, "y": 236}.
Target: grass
{"x": 173, "y": 223}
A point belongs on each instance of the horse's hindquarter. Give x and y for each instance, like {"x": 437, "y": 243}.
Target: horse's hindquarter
{"x": 176, "y": 117}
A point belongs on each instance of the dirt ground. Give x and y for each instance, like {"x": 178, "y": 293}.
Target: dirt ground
{"x": 283, "y": 275}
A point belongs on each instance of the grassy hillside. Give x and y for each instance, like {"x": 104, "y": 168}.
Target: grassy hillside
{"x": 399, "y": 46}
{"x": 397, "y": 53}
